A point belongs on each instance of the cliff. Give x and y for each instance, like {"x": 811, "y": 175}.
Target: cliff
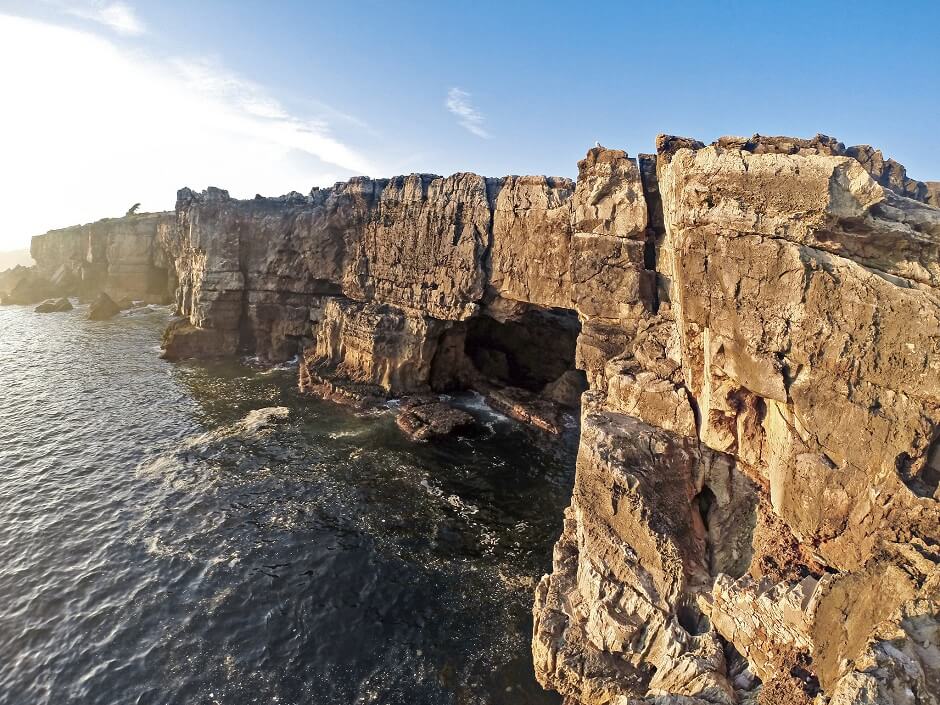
{"x": 756, "y": 497}
{"x": 756, "y": 322}
{"x": 121, "y": 257}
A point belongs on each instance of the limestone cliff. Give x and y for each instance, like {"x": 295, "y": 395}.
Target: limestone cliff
{"x": 121, "y": 257}
{"x": 756, "y": 497}
{"x": 384, "y": 287}
{"x": 756, "y": 513}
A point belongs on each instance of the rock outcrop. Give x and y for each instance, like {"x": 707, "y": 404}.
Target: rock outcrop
{"x": 54, "y": 306}
{"x": 121, "y": 257}
{"x": 103, "y": 308}
{"x": 756, "y": 323}
{"x": 428, "y": 416}
{"x": 758, "y": 468}
{"x": 385, "y": 287}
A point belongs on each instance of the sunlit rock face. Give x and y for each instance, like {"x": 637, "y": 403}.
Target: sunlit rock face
{"x": 756, "y": 324}
{"x": 120, "y": 257}
{"x": 793, "y": 360}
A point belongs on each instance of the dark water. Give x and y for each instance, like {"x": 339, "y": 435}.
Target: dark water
{"x": 159, "y": 544}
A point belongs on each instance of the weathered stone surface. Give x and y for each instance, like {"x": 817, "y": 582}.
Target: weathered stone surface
{"x": 757, "y": 503}
{"x": 54, "y": 306}
{"x": 531, "y": 409}
{"x": 182, "y": 340}
{"x": 118, "y": 256}
{"x": 10, "y": 278}
{"x": 609, "y": 195}
{"x": 28, "y": 287}
{"x": 250, "y": 269}
{"x": 798, "y": 338}
{"x": 618, "y": 618}
{"x": 567, "y": 389}
{"x": 423, "y": 245}
{"x": 532, "y": 241}
{"x": 424, "y": 417}
{"x": 375, "y": 345}
{"x": 933, "y": 193}
{"x": 103, "y": 308}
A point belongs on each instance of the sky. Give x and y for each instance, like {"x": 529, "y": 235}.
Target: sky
{"x": 108, "y": 103}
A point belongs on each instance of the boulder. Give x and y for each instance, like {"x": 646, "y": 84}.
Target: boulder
{"x": 54, "y": 306}
{"x": 426, "y": 417}
{"x": 103, "y": 308}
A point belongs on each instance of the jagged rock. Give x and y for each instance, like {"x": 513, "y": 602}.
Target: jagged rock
{"x": 424, "y": 417}
{"x": 758, "y": 325}
{"x": 933, "y": 193}
{"x": 526, "y": 407}
{"x": 29, "y": 288}
{"x": 567, "y": 389}
{"x": 375, "y": 345}
{"x": 103, "y": 308}
{"x": 617, "y": 617}
{"x": 54, "y": 306}
{"x": 122, "y": 257}
{"x": 793, "y": 274}
{"x": 9, "y": 278}
{"x": 182, "y": 340}
{"x": 413, "y": 242}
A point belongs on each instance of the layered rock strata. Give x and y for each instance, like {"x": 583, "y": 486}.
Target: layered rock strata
{"x": 756, "y": 512}
{"x": 386, "y": 287}
{"x": 120, "y": 257}
{"x": 757, "y": 478}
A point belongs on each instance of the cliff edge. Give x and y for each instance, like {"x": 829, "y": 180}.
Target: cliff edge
{"x": 755, "y": 328}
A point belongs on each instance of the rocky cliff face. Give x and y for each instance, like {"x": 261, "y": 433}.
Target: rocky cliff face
{"x": 756, "y": 514}
{"x": 385, "y": 287}
{"x": 121, "y": 257}
{"x": 756, "y": 497}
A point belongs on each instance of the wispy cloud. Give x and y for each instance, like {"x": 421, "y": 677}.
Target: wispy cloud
{"x": 144, "y": 127}
{"x": 243, "y": 106}
{"x": 458, "y": 102}
{"x": 118, "y": 16}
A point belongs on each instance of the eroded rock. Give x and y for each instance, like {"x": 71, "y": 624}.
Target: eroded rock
{"x": 103, "y": 308}
{"x": 425, "y": 417}
{"x": 757, "y": 323}
{"x": 54, "y": 306}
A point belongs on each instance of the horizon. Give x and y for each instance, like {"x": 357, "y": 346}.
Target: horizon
{"x": 126, "y": 102}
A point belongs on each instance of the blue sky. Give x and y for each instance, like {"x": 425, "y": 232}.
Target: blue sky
{"x": 117, "y": 102}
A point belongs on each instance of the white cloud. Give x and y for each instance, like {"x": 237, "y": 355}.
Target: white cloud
{"x": 90, "y": 127}
{"x": 117, "y": 16}
{"x": 458, "y": 102}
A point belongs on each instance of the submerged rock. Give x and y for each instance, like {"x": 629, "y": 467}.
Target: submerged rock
{"x": 54, "y": 306}
{"x": 260, "y": 419}
{"x": 103, "y": 308}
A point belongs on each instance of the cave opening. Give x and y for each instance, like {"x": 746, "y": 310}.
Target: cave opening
{"x": 527, "y": 348}
{"x": 924, "y": 482}
{"x": 692, "y": 620}
{"x": 705, "y": 500}
{"x": 521, "y": 358}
